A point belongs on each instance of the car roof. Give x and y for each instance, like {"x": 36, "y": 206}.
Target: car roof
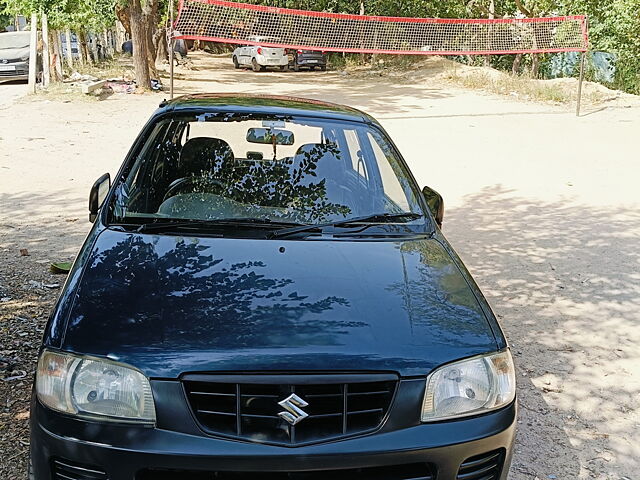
{"x": 268, "y": 104}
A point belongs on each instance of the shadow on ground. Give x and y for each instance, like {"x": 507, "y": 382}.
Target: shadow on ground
{"x": 564, "y": 279}
{"x": 51, "y": 225}
{"x": 390, "y": 94}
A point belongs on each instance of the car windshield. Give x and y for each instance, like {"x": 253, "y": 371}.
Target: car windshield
{"x": 216, "y": 167}
{"x": 14, "y": 40}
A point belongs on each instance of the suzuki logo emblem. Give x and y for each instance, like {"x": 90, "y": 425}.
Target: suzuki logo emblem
{"x": 293, "y": 405}
{"x": 4, "y": 60}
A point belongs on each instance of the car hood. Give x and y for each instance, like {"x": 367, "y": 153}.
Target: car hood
{"x": 170, "y": 305}
{"x": 13, "y": 53}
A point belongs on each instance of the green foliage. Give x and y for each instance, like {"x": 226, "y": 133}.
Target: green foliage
{"x": 74, "y": 14}
{"x": 614, "y": 24}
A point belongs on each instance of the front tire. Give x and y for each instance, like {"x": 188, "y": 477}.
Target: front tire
{"x": 296, "y": 67}
{"x": 30, "y": 475}
{"x": 235, "y": 62}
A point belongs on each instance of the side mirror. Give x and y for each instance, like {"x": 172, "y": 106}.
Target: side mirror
{"x": 98, "y": 194}
{"x": 435, "y": 203}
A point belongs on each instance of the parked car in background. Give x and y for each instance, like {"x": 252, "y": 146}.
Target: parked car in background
{"x": 14, "y": 56}
{"x": 266, "y": 293}
{"x": 307, "y": 59}
{"x": 258, "y": 58}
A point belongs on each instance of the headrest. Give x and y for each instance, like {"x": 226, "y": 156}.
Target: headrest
{"x": 205, "y": 149}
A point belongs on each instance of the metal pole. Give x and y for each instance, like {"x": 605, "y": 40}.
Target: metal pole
{"x": 171, "y": 50}
{"x": 582, "y": 60}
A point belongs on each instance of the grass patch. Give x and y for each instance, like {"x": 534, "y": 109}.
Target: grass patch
{"x": 120, "y": 66}
{"x": 523, "y": 87}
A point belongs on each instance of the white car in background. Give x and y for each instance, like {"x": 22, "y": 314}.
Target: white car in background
{"x": 258, "y": 57}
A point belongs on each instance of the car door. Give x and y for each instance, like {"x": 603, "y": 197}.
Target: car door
{"x": 242, "y": 55}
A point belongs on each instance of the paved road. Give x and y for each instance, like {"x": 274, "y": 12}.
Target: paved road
{"x": 10, "y": 92}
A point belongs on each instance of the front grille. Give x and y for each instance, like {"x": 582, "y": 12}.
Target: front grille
{"x": 482, "y": 467}
{"x": 66, "y": 470}
{"x": 415, "y": 471}
{"x": 337, "y": 406}
{"x": 13, "y": 73}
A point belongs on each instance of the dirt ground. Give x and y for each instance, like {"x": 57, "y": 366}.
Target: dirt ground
{"x": 542, "y": 206}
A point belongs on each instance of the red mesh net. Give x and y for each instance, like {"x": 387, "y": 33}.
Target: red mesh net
{"x": 248, "y": 24}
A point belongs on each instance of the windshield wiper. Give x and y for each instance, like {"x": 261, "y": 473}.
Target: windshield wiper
{"x": 374, "y": 219}
{"x": 163, "y": 224}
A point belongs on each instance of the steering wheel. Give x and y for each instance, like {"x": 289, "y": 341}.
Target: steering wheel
{"x": 185, "y": 183}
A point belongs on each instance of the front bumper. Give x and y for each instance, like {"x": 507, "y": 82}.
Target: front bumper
{"x": 18, "y": 71}
{"x": 133, "y": 452}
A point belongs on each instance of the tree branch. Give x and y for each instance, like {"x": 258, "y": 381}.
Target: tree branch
{"x": 523, "y": 9}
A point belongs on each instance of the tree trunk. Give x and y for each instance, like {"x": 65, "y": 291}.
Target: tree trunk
{"x": 57, "y": 56}
{"x": 535, "y": 65}
{"x": 84, "y": 48}
{"x": 46, "y": 60}
{"x": 124, "y": 17}
{"x": 106, "y": 45}
{"x": 150, "y": 19}
{"x": 80, "y": 50}
{"x": 139, "y": 40}
{"x": 67, "y": 41}
{"x": 492, "y": 15}
{"x": 151, "y": 51}
{"x": 162, "y": 52}
{"x": 515, "y": 69}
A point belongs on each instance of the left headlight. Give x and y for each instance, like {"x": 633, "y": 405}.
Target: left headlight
{"x": 469, "y": 387}
{"x": 92, "y": 387}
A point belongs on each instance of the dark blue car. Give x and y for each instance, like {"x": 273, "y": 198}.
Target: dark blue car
{"x": 266, "y": 294}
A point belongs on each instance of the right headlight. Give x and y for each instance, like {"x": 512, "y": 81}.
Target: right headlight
{"x": 93, "y": 387}
{"x": 469, "y": 387}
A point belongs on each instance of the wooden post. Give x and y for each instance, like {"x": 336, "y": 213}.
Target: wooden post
{"x": 93, "y": 40}
{"x": 46, "y": 60}
{"x": 57, "y": 48}
{"x": 33, "y": 53}
{"x": 67, "y": 41}
{"x": 106, "y": 46}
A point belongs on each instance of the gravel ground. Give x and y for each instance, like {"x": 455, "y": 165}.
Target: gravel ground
{"x": 24, "y": 306}
{"x": 543, "y": 208}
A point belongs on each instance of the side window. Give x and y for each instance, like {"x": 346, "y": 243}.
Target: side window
{"x": 394, "y": 191}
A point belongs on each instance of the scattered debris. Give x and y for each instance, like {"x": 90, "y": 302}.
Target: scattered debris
{"x": 120, "y": 86}
{"x": 35, "y": 284}
{"x": 15, "y": 375}
{"x": 78, "y": 77}
{"x": 60, "y": 267}
{"x": 89, "y": 87}
{"x": 24, "y": 252}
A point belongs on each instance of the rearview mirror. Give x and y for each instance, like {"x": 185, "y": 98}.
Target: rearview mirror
{"x": 98, "y": 194}
{"x": 435, "y": 203}
{"x": 268, "y": 135}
